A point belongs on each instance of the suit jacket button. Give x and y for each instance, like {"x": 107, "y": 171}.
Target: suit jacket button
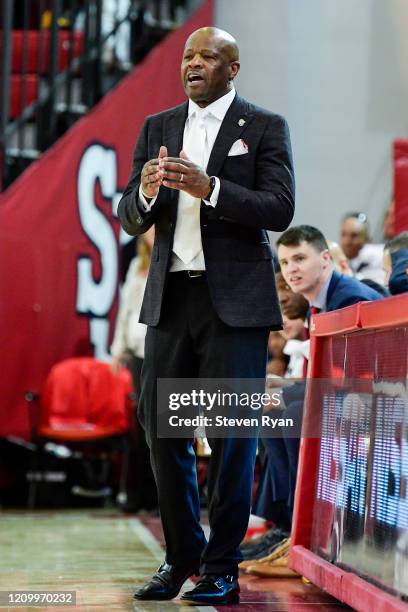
{"x": 222, "y": 218}
{"x": 139, "y": 219}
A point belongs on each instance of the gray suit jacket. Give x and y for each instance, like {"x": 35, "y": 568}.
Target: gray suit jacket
{"x": 257, "y": 194}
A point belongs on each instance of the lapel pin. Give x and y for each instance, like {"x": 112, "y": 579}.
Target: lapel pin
{"x": 241, "y": 122}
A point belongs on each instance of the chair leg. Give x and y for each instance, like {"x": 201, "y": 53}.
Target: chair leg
{"x": 124, "y": 470}
{"x": 32, "y": 489}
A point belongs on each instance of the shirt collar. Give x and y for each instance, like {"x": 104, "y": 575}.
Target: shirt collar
{"x": 218, "y": 108}
{"x": 321, "y": 298}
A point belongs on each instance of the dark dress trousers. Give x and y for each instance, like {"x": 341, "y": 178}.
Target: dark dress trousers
{"x": 214, "y": 326}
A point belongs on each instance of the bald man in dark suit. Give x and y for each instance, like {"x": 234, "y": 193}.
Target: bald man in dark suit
{"x": 222, "y": 177}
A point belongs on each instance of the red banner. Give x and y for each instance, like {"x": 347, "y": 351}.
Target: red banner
{"x": 60, "y": 235}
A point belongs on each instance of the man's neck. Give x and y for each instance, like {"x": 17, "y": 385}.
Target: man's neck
{"x": 313, "y": 293}
{"x": 205, "y": 103}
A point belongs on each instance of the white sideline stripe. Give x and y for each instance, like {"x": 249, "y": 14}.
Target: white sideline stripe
{"x": 148, "y": 539}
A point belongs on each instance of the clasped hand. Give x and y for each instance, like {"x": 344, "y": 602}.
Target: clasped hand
{"x": 176, "y": 173}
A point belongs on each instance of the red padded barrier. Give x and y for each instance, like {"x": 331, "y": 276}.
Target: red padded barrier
{"x": 366, "y": 342}
{"x": 308, "y": 456}
{"x": 343, "y": 321}
{"x": 390, "y": 312}
{"x": 345, "y": 586}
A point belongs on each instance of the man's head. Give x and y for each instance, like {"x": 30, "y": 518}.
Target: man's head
{"x": 304, "y": 259}
{"x": 209, "y": 65}
{"x": 293, "y": 305}
{"x": 353, "y": 234}
{"x": 339, "y": 258}
{"x": 389, "y": 222}
{"x": 394, "y": 245}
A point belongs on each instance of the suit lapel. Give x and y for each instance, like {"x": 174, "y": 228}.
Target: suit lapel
{"x": 173, "y": 130}
{"x": 330, "y": 291}
{"x": 235, "y": 122}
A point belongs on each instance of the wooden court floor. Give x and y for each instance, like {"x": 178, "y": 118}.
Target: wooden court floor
{"x": 103, "y": 555}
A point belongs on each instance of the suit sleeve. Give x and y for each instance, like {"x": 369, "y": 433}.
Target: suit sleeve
{"x": 271, "y": 204}
{"x": 350, "y": 300}
{"x": 133, "y": 218}
{"x": 398, "y": 282}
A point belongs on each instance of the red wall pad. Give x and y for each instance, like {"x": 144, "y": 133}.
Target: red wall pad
{"x": 350, "y": 527}
{"x": 401, "y": 185}
{"x": 60, "y": 236}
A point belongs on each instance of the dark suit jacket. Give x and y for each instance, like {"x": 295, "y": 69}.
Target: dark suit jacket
{"x": 398, "y": 282}
{"x": 345, "y": 291}
{"x": 256, "y": 194}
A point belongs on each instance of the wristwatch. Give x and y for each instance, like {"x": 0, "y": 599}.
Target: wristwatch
{"x": 213, "y": 183}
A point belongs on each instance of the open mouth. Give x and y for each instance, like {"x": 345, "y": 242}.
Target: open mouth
{"x": 194, "y": 79}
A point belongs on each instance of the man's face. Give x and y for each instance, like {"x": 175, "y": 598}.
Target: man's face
{"x": 352, "y": 237}
{"x": 389, "y": 222}
{"x": 207, "y": 68}
{"x": 303, "y": 267}
{"x": 293, "y": 305}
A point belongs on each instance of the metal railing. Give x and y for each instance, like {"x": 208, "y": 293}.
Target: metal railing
{"x": 59, "y": 57}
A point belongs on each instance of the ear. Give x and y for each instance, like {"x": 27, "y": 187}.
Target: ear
{"x": 233, "y": 70}
{"x": 326, "y": 257}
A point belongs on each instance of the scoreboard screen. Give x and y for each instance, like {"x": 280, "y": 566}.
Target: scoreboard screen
{"x": 360, "y": 517}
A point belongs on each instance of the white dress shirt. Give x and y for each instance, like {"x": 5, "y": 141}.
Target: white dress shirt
{"x": 212, "y": 116}
{"x": 129, "y": 333}
{"x": 369, "y": 263}
{"x": 298, "y": 351}
{"x": 320, "y": 301}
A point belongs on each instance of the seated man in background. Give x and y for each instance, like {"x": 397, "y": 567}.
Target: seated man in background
{"x": 340, "y": 261}
{"x": 341, "y": 264}
{"x": 277, "y": 360}
{"x": 396, "y": 263}
{"x": 293, "y": 305}
{"x": 275, "y": 495}
{"x": 365, "y": 258}
{"x": 389, "y": 222}
{"x": 308, "y": 269}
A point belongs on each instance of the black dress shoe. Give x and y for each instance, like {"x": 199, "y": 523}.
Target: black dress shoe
{"x": 214, "y": 590}
{"x": 166, "y": 582}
